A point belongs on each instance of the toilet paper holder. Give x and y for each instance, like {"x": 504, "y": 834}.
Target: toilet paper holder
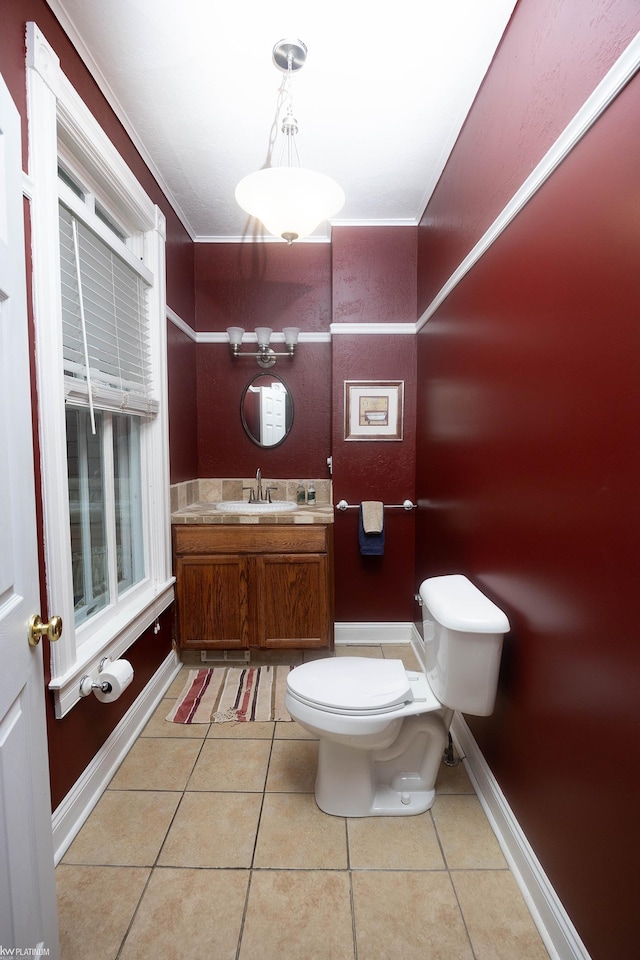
{"x": 87, "y": 684}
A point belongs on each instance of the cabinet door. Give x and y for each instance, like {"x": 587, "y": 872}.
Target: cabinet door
{"x": 212, "y": 602}
{"x": 293, "y": 591}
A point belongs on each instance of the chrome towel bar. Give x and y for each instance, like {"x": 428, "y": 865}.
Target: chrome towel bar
{"x": 406, "y": 505}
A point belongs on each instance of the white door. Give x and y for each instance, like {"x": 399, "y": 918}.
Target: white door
{"x": 28, "y": 920}
{"x": 273, "y": 412}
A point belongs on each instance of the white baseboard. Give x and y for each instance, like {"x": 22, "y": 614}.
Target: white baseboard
{"x": 556, "y": 929}
{"x": 373, "y": 633}
{"x": 70, "y": 815}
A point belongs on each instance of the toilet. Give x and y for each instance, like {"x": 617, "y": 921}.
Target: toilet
{"x": 383, "y": 729}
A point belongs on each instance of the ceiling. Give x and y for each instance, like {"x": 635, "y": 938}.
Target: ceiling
{"x": 379, "y": 103}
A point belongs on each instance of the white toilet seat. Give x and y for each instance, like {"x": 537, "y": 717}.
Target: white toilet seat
{"x": 352, "y": 683}
{"x": 360, "y": 687}
{"x": 344, "y": 711}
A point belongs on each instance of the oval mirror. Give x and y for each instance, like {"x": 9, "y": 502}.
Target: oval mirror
{"x": 267, "y": 410}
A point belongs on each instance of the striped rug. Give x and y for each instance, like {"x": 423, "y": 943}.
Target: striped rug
{"x": 224, "y": 694}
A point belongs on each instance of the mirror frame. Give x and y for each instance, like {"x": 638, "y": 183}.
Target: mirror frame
{"x": 290, "y": 411}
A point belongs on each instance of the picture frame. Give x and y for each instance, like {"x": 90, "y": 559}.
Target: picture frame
{"x": 373, "y": 409}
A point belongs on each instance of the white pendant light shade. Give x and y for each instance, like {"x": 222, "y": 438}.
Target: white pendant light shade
{"x": 290, "y": 201}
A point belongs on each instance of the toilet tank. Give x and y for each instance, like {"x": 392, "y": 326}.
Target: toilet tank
{"x": 463, "y": 633}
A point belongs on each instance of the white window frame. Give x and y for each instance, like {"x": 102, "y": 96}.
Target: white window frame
{"x": 61, "y": 124}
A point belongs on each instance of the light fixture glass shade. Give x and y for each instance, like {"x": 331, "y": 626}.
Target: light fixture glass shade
{"x": 291, "y": 335}
{"x": 263, "y": 335}
{"x": 290, "y": 201}
{"x": 235, "y": 335}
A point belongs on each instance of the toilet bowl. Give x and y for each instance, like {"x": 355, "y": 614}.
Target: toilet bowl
{"x": 383, "y": 729}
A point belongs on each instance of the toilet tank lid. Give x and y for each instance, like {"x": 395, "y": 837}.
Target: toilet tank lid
{"x": 458, "y": 605}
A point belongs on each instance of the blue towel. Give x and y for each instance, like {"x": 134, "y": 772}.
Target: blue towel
{"x": 371, "y": 544}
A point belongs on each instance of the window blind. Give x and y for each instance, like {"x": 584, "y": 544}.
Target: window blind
{"x": 110, "y": 320}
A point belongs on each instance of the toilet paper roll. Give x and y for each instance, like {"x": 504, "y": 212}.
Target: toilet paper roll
{"x": 118, "y": 675}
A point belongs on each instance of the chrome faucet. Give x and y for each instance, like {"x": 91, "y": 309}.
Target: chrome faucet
{"x": 258, "y": 495}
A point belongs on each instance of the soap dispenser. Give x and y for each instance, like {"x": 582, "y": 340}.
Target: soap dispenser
{"x": 311, "y": 493}
{"x": 300, "y": 494}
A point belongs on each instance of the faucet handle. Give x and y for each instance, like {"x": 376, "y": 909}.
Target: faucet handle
{"x": 268, "y": 493}
{"x": 252, "y": 494}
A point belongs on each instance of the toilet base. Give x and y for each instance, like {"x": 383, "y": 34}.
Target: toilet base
{"x": 386, "y": 802}
{"x": 398, "y": 781}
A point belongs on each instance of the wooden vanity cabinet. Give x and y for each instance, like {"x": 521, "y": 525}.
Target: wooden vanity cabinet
{"x": 259, "y": 585}
{"x": 213, "y": 598}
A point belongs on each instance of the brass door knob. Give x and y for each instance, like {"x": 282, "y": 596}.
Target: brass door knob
{"x": 37, "y": 629}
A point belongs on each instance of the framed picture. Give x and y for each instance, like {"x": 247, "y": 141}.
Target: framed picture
{"x": 373, "y": 409}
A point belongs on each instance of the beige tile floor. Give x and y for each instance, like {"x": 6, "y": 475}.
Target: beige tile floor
{"x": 208, "y": 843}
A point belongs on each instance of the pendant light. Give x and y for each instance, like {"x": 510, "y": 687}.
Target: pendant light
{"x": 289, "y": 200}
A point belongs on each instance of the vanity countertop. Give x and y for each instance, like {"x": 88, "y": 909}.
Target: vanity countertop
{"x": 205, "y": 512}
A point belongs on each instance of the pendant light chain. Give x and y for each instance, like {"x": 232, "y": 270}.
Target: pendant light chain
{"x": 289, "y": 200}
{"x": 289, "y": 124}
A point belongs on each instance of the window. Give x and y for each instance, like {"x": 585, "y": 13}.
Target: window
{"x": 99, "y": 305}
{"x": 105, "y": 505}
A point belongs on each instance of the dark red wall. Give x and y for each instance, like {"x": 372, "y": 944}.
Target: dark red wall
{"x": 76, "y": 739}
{"x": 374, "y": 274}
{"x": 263, "y": 285}
{"x": 524, "y": 409}
{"x": 553, "y": 56}
{"x": 528, "y": 458}
{"x": 273, "y": 285}
{"x": 183, "y": 404}
{"x": 366, "y": 275}
{"x": 374, "y": 281}
{"x": 225, "y": 450}
{"x": 374, "y": 588}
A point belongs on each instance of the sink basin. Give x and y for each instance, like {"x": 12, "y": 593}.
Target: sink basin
{"x": 243, "y": 506}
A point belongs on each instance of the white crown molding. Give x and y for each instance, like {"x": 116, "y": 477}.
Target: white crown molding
{"x": 318, "y": 237}
{"x": 391, "y": 222}
{"x": 373, "y": 329}
{"x": 180, "y": 323}
{"x": 105, "y": 88}
{"x": 368, "y": 329}
{"x": 77, "y": 125}
{"x": 611, "y": 85}
{"x": 258, "y": 239}
{"x": 607, "y": 90}
{"x": 221, "y": 337}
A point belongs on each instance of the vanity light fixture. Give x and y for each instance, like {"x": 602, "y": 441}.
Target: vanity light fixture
{"x": 289, "y": 199}
{"x": 265, "y": 355}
